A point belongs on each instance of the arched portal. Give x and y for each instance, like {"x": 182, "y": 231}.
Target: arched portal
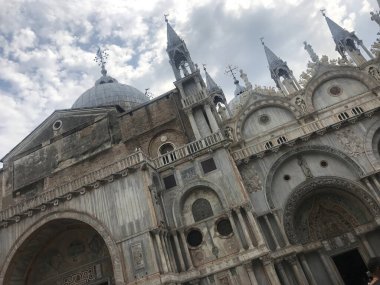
{"x": 62, "y": 251}
{"x": 327, "y": 207}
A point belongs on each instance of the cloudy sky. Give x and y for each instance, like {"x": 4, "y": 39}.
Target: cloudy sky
{"x": 47, "y": 47}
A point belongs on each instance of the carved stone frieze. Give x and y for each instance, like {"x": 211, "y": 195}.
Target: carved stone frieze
{"x": 351, "y": 142}
{"x": 137, "y": 256}
{"x": 251, "y": 179}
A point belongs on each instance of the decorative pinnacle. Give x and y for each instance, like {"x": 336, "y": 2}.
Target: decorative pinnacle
{"x": 323, "y": 11}
{"x": 101, "y": 58}
{"x": 309, "y": 49}
{"x": 231, "y": 70}
{"x": 166, "y": 17}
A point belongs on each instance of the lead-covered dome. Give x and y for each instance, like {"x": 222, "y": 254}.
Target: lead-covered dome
{"x": 108, "y": 92}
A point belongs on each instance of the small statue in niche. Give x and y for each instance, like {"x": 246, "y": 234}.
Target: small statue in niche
{"x": 222, "y": 111}
{"x": 228, "y": 133}
{"x": 301, "y": 103}
{"x": 304, "y": 167}
{"x": 374, "y": 72}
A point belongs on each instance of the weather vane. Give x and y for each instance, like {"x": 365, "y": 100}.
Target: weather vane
{"x": 231, "y": 70}
{"x": 166, "y": 17}
{"x": 101, "y": 58}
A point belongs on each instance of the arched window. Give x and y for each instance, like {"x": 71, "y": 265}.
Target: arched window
{"x": 166, "y": 150}
{"x": 201, "y": 209}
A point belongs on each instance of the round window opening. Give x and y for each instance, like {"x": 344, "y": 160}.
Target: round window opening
{"x": 57, "y": 125}
{"x": 194, "y": 238}
{"x": 324, "y": 163}
{"x": 264, "y": 119}
{"x": 224, "y": 227}
{"x": 286, "y": 177}
{"x": 335, "y": 91}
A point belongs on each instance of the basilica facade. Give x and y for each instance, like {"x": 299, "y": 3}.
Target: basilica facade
{"x": 278, "y": 186}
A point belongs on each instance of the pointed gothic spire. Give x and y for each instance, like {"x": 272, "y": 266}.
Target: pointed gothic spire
{"x": 172, "y": 37}
{"x": 210, "y": 83}
{"x": 346, "y": 42}
{"x": 179, "y": 55}
{"x": 279, "y": 69}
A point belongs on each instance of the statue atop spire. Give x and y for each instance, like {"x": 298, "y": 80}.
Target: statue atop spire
{"x": 101, "y": 58}
{"x": 310, "y": 51}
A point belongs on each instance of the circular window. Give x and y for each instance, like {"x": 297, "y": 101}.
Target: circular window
{"x": 335, "y": 91}
{"x": 224, "y": 227}
{"x": 324, "y": 163}
{"x": 57, "y": 125}
{"x": 286, "y": 177}
{"x": 264, "y": 119}
{"x": 194, "y": 238}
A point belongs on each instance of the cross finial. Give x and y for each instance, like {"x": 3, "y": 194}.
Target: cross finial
{"x": 101, "y": 58}
{"x": 323, "y": 11}
{"x": 166, "y": 17}
{"x": 231, "y": 70}
{"x": 262, "y": 40}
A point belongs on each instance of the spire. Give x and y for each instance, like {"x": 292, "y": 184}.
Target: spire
{"x": 179, "y": 55}
{"x": 211, "y": 85}
{"x": 279, "y": 69}
{"x": 346, "y": 42}
{"x": 172, "y": 37}
{"x": 310, "y": 51}
{"x": 271, "y": 57}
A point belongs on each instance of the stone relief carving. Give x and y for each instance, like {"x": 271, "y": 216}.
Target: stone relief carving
{"x": 229, "y": 133}
{"x": 137, "y": 256}
{"x": 351, "y": 142}
{"x": 188, "y": 174}
{"x": 301, "y": 104}
{"x": 314, "y": 186}
{"x": 251, "y": 179}
{"x": 304, "y": 167}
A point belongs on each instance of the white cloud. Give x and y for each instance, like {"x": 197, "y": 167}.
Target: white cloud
{"x": 47, "y": 47}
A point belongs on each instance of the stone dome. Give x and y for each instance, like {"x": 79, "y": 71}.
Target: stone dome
{"x": 108, "y": 92}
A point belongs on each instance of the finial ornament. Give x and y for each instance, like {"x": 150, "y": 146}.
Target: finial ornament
{"x": 262, "y": 41}
{"x": 323, "y": 11}
{"x": 231, "y": 69}
{"x": 166, "y": 17}
{"x": 204, "y": 66}
{"x": 310, "y": 51}
{"x": 101, "y": 58}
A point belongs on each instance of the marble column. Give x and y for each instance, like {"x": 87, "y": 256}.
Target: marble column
{"x": 301, "y": 278}
{"x": 307, "y": 269}
{"x": 166, "y": 253}
{"x": 255, "y": 226}
{"x": 236, "y": 233}
{"x": 170, "y": 252}
{"x": 282, "y": 272}
{"x": 187, "y": 252}
{"x": 269, "y": 269}
{"x": 179, "y": 251}
{"x": 279, "y": 225}
{"x": 161, "y": 251}
{"x": 330, "y": 270}
{"x": 251, "y": 274}
{"x": 211, "y": 118}
{"x": 271, "y": 231}
{"x": 244, "y": 228}
{"x": 194, "y": 125}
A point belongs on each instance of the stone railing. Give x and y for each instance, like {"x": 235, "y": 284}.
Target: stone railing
{"x": 283, "y": 136}
{"x": 193, "y": 99}
{"x": 66, "y": 191}
{"x": 188, "y": 150}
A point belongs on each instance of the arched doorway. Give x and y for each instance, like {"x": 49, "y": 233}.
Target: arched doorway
{"x": 62, "y": 251}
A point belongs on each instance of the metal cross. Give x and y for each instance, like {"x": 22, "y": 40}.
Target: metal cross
{"x": 323, "y": 11}
{"x": 231, "y": 70}
{"x": 262, "y": 40}
{"x": 166, "y": 17}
